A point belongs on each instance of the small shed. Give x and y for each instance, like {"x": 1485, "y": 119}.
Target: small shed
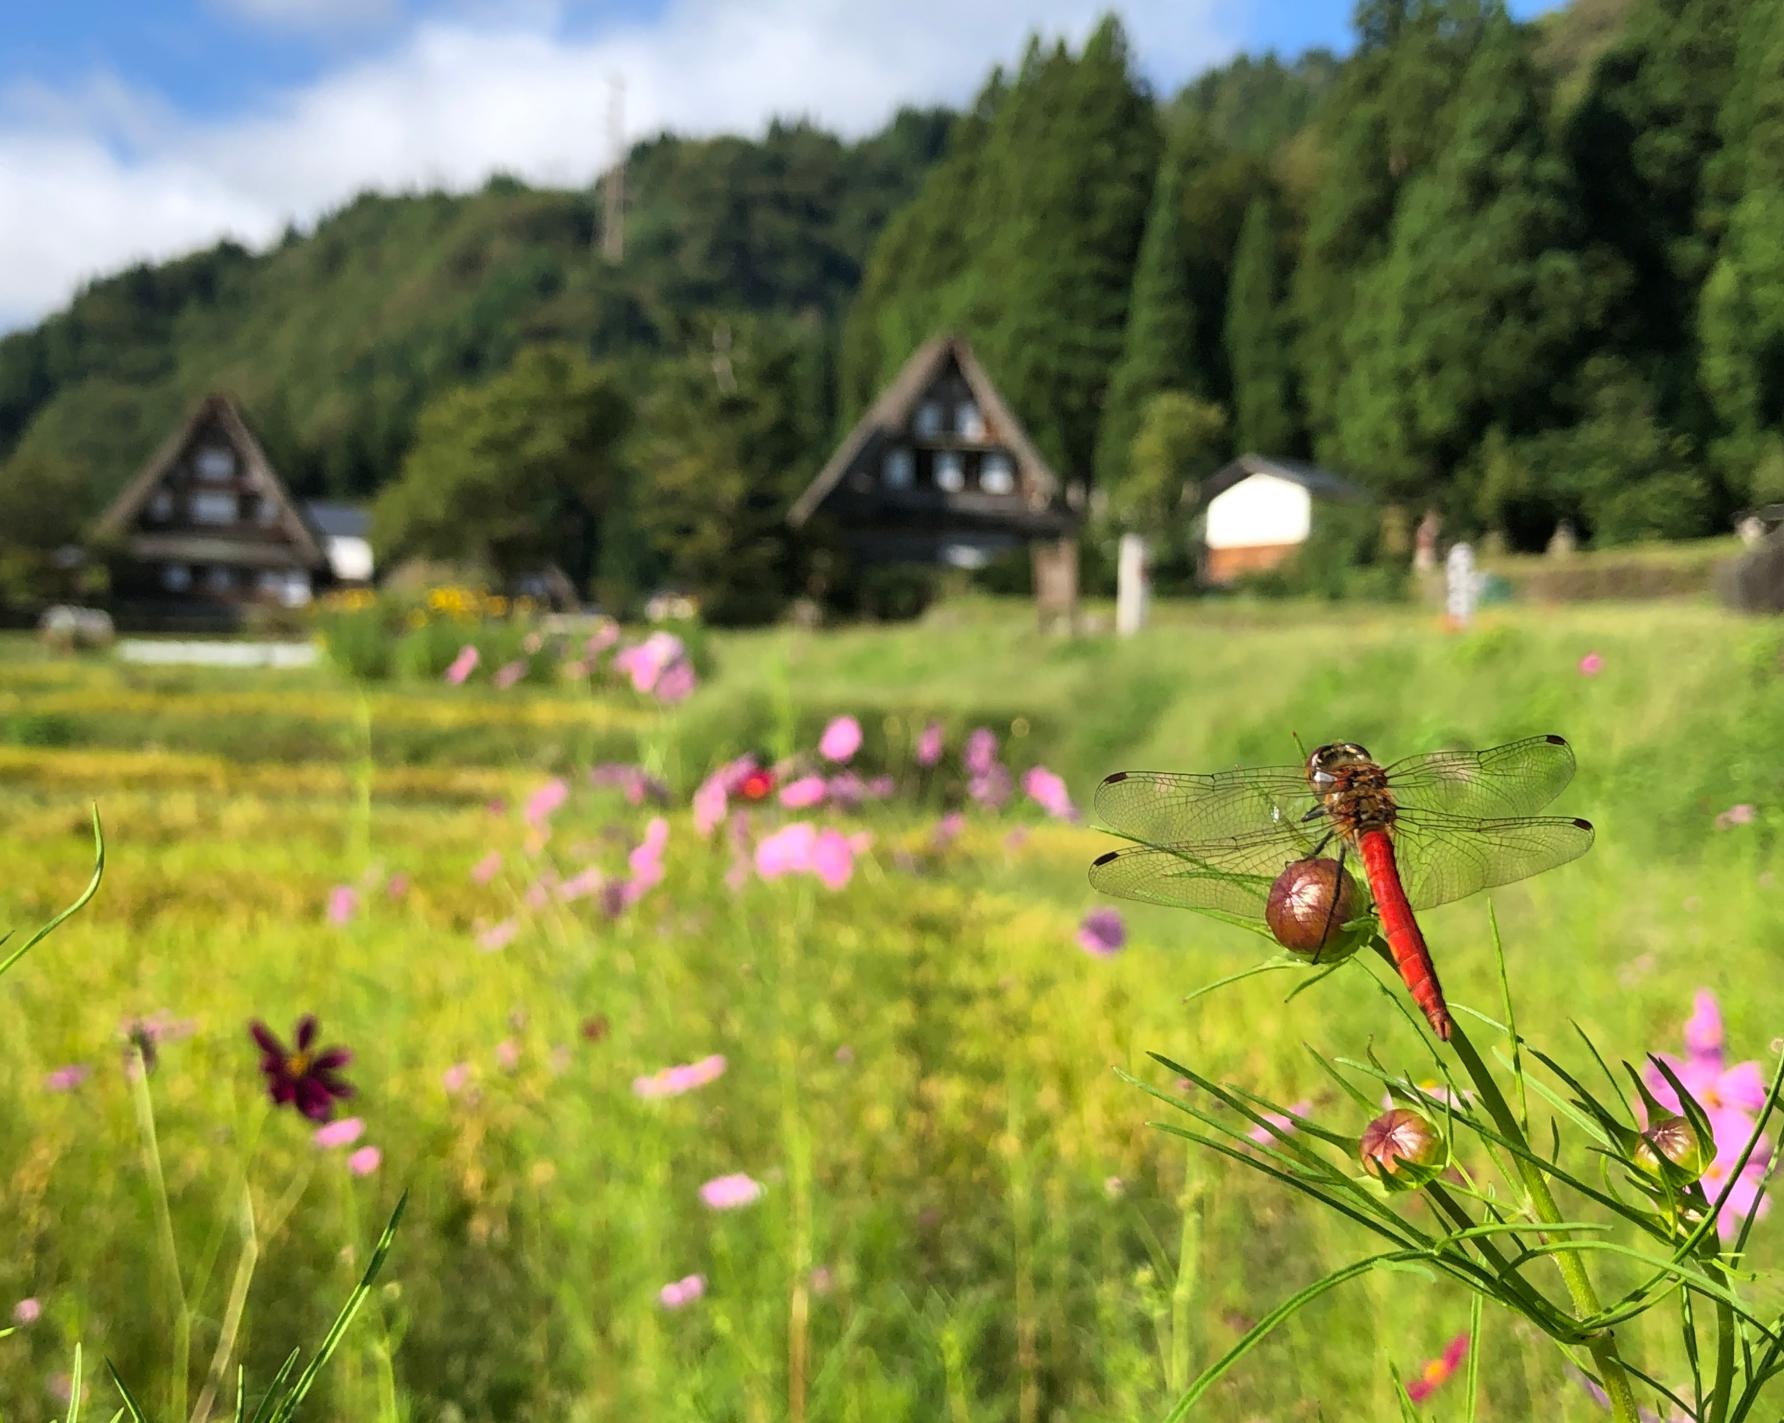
{"x": 940, "y": 471}
{"x": 1258, "y": 511}
{"x": 207, "y": 530}
{"x": 346, "y": 531}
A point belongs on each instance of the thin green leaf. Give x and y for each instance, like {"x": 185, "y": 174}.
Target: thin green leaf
{"x": 74, "y": 1383}
{"x": 275, "y": 1390}
{"x": 332, "y": 1340}
{"x": 1265, "y": 1326}
{"x": 1511, "y": 1028}
{"x": 1268, "y": 966}
{"x": 1474, "y": 1308}
{"x": 79, "y": 904}
{"x": 131, "y": 1406}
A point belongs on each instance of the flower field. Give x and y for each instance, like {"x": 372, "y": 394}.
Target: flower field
{"x": 750, "y": 1053}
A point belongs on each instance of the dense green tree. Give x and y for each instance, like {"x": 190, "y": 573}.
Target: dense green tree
{"x": 1258, "y": 336}
{"x": 1742, "y": 311}
{"x": 1256, "y": 105}
{"x": 512, "y": 474}
{"x": 1644, "y": 141}
{"x": 1180, "y": 440}
{"x": 723, "y": 445}
{"x": 1486, "y": 296}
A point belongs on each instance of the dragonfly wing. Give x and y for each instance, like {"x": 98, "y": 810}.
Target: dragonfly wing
{"x": 1233, "y": 875}
{"x": 1518, "y": 778}
{"x": 1173, "y": 808}
{"x": 1445, "y": 857}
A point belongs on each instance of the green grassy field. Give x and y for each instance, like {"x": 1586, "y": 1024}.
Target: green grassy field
{"x": 966, "y": 1214}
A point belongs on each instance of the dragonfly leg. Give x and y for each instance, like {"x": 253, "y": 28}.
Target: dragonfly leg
{"x": 1325, "y": 934}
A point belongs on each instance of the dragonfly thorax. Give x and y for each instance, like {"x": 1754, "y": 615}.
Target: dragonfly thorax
{"x": 1351, "y": 787}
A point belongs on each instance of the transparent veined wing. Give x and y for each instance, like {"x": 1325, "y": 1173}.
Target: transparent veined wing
{"x": 1445, "y": 857}
{"x": 1518, "y": 778}
{"x": 1180, "y": 808}
{"x": 1232, "y": 876}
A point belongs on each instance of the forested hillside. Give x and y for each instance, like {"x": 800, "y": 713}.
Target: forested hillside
{"x": 1519, "y": 273}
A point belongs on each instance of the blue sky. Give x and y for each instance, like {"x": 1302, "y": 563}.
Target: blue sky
{"x": 143, "y": 128}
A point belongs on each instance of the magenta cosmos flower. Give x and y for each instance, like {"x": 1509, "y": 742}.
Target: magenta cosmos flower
{"x": 841, "y": 739}
{"x": 1277, "y": 1124}
{"x": 1438, "y": 1371}
{"x": 681, "y": 1292}
{"x": 1102, "y": 932}
{"x": 683, "y": 1077}
{"x": 303, "y": 1076}
{"x": 1731, "y": 1097}
{"x": 1591, "y": 664}
{"x": 929, "y": 744}
{"x": 547, "y": 801}
{"x": 1048, "y": 790}
{"x": 729, "y": 1193}
{"x": 462, "y": 666}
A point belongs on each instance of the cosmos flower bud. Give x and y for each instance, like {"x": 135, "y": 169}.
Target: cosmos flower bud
{"x": 1402, "y": 1150}
{"x": 1673, "y": 1139}
{"x": 1301, "y": 913}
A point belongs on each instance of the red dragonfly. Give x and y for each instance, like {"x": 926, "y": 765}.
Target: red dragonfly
{"x": 1428, "y": 829}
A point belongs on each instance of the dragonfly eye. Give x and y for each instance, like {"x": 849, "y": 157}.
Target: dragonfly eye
{"x": 1324, "y": 778}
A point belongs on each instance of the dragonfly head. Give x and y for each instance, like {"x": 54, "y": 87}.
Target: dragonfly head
{"x": 1325, "y": 762}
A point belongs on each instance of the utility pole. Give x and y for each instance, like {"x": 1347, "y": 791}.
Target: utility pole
{"x": 613, "y": 217}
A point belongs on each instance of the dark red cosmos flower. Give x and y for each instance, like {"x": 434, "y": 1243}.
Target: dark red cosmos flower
{"x": 305, "y": 1076}
{"x": 757, "y": 784}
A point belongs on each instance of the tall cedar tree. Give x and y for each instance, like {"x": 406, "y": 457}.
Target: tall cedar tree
{"x": 1038, "y": 210}
{"x": 1380, "y": 129}
{"x": 1643, "y": 142}
{"x": 1258, "y": 335}
{"x": 1485, "y": 298}
{"x": 1742, "y": 318}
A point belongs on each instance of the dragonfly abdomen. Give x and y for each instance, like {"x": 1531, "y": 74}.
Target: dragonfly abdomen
{"x": 1411, "y": 957}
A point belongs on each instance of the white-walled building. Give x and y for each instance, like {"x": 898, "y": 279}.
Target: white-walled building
{"x": 1258, "y": 511}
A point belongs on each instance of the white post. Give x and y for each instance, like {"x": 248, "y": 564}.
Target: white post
{"x": 1130, "y": 585}
{"x": 1463, "y": 584}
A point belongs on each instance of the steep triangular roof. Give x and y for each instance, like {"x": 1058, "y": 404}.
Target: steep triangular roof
{"x": 892, "y": 411}
{"x": 116, "y": 521}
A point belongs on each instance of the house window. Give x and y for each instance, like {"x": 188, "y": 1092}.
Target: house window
{"x": 161, "y": 505}
{"x": 997, "y": 475}
{"x": 176, "y": 577}
{"x": 219, "y": 578}
{"x": 968, "y": 421}
{"x": 215, "y": 462}
{"x": 929, "y": 419}
{"x": 212, "y": 506}
{"x": 899, "y": 470}
{"x": 950, "y": 471}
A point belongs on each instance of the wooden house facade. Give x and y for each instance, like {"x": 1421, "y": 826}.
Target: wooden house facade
{"x": 940, "y": 471}
{"x": 207, "y": 531}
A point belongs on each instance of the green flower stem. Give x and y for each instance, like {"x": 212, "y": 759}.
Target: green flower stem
{"x": 1603, "y": 1345}
{"x": 1725, "y": 1329}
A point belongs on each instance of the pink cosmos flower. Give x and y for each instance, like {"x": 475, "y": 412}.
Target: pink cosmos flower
{"x": 929, "y": 744}
{"x": 498, "y": 936}
{"x": 681, "y": 1292}
{"x": 462, "y": 666}
{"x": 713, "y": 798}
{"x": 729, "y": 1193}
{"x": 365, "y": 1161}
{"x": 980, "y": 752}
{"x": 805, "y": 792}
{"x": 645, "y": 662}
{"x": 66, "y": 1079}
{"x": 841, "y": 739}
{"x": 508, "y": 674}
{"x": 646, "y": 861}
{"x": 546, "y": 801}
{"x": 833, "y": 858}
{"x": 343, "y": 902}
{"x": 787, "y": 851}
{"x": 1591, "y": 664}
{"x": 821, "y": 1281}
{"x": 1102, "y": 932}
{"x": 1439, "y": 1370}
{"x": 685, "y": 1077}
{"x": 992, "y": 789}
{"x": 455, "y": 1078}
{"x": 1048, "y": 791}
{"x": 27, "y": 1312}
{"x": 677, "y": 682}
{"x": 947, "y": 830}
{"x": 1730, "y": 1097}
{"x": 1736, "y": 815}
{"x": 487, "y": 868}
{"x": 606, "y": 633}
{"x": 1277, "y": 1124}
{"x": 397, "y": 886}
{"x": 581, "y": 885}
{"x": 508, "y": 1054}
{"x": 344, "y": 1132}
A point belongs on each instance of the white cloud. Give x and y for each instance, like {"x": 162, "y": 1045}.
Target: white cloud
{"x": 99, "y": 176}
{"x": 310, "y": 14}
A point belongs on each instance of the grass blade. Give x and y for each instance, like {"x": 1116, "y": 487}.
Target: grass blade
{"x": 73, "y": 909}
{"x": 131, "y": 1406}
